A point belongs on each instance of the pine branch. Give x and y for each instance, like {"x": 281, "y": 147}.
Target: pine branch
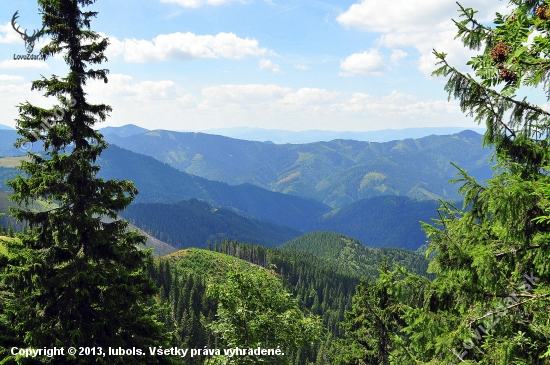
{"x": 517, "y": 295}
{"x": 516, "y": 250}
{"x": 486, "y": 96}
{"x": 509, "y": 307}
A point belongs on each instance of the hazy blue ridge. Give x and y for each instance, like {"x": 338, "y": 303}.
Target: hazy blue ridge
{"x": 193, "y": 223}
{"x": 124, "y": 131}
{"x": 279, "y": 136}
{"x": 384, "y": 221}
{"x": 161, "y": 183}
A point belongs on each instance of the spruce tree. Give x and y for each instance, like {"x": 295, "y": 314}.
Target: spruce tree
{"x": 490, "y": 301}
{"x": 79, "y": 281}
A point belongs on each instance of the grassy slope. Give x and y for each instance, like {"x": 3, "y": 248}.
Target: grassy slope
{"x": 213, "y": 265}
{"x": 3, "y": 250}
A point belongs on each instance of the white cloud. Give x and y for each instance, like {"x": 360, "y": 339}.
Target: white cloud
{"x": 310, "y": 96}
{"x": 184, "y": 46}
{"x": 8, "y": 35}
{"x": 164, "y": 104}
{"x": 11, "y": 78}
{"x": 269, "y": 65}
{"x": 24, "y": 64}
{"x": 187, "y": 100}
{"x": 396, "y": 55}
{"x": 122, "y": 86}
{"x": 368, "y": 62}
{"x": 424, "y": 25}
{"x": 244, "y": 94}
{"x": 395, "y": 104}
{"x": 301, "y": 67}
{"x": 197, "y": 3}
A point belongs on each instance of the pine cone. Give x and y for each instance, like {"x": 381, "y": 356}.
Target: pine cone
{"x": 507, "y": 75}
{"x": 542, "y": 12}
{"x": 500, "y": 52}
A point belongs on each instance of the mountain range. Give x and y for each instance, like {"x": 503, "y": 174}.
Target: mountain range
{"x": 274, "y": 193}
{"x": 279, "y": 136}
{"x": 336, "y": 173}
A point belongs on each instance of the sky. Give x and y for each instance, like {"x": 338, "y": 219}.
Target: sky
{"x": 347, "y": 65}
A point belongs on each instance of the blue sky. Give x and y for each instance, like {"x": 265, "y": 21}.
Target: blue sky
{"x": 199, "y": 64}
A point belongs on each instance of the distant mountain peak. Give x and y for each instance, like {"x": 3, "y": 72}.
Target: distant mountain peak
{"x": 124, "y": 131}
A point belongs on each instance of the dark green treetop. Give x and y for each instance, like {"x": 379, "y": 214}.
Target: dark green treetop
{"x": 79, "y": 281}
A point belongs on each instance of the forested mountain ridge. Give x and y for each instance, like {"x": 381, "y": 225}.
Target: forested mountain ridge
{"x": 371, "y": 221}
{"x": 353, "y": 255}
{"x": 159, "y": 182}
{"x": 382, "y": 221}
{"x": 189, "y": 310}
{"x": 336, "y": 173}
{"x": 194, "y": 223}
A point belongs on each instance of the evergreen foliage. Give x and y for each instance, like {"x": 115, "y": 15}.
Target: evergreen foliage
{"x": 192, "y": 314}
{"x": 255, "y": 311}
{"x": 490, "y": 300}
{"x": 72, "y": 279}
{"x": 350, "y": 255}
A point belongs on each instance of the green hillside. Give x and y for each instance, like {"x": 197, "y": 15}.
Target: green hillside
{"x": 7, "y": 173}
{"x": 336, "y": 173}
{"x": 194, "y": 223}
{"x": 384, "y": 221}
{"x": 350, "y": 254}
{"x": 189, "y": 313}
{"x": 391, "y": 221}
{"x": 211, "y": 264}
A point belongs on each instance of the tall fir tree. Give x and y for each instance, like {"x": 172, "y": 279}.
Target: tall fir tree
{"x": 79, "y": 281}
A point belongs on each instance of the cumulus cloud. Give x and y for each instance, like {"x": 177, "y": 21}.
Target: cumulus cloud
{"x": 253, "y": 93}
{"x": 396, "y": 55}
{"x": 423, "y": 25}
{"x": 197, "y": 3}
{"x": 8, "y": 35}
{"x": 310, "y": 96}
{"x": 123, "y": 87}
{"x": 11, "y": 78}
{"x": 184, "y": 46}
{"x": 269, "y": 65}
{"x": 301, "y": 67}
{"x": 368, "y": 62}
{"x": 24, "y": 64}
{"x": 396, "y": 104}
